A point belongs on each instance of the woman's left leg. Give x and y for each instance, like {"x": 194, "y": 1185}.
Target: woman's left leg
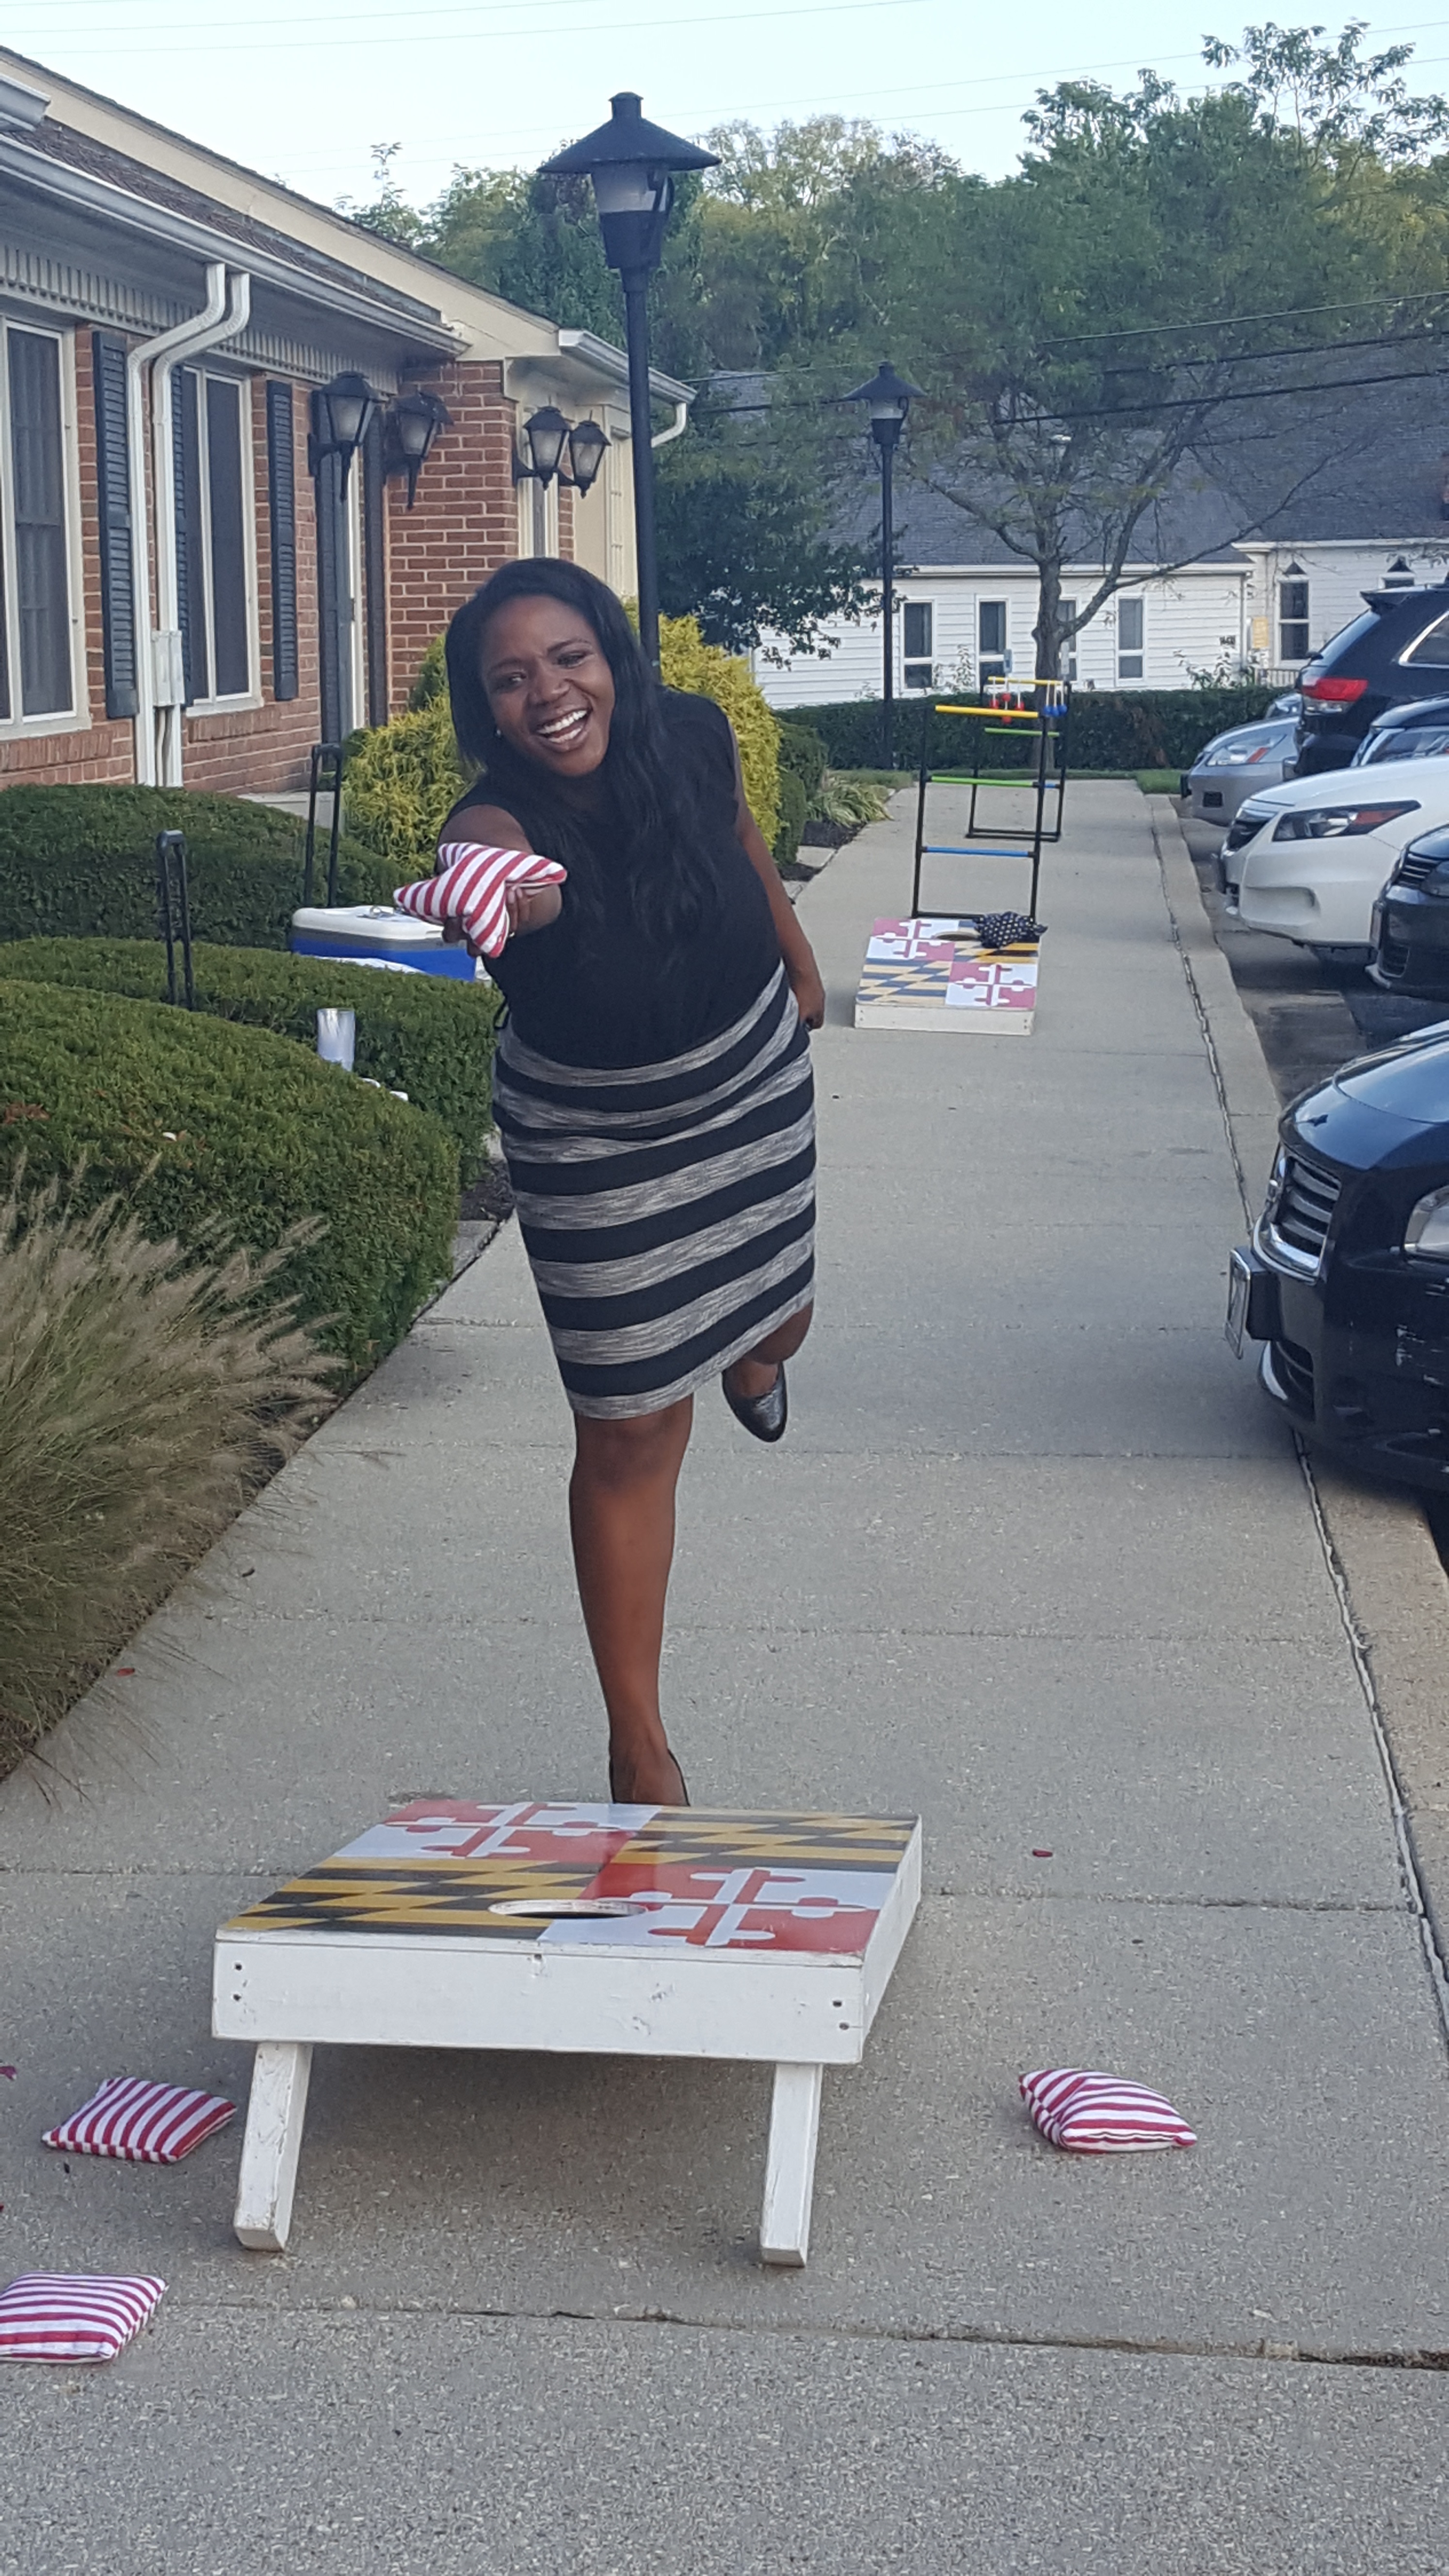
{"x": 755, "y": 1374}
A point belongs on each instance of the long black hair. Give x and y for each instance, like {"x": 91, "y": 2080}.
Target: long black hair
{"x": 657, "y": 823}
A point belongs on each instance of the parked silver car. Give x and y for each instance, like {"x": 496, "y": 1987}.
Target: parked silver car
{"x": 1238, "y": 765}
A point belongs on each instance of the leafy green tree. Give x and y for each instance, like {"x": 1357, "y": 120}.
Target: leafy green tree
{"x": 745, "y": 543}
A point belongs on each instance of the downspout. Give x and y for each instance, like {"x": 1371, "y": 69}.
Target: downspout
{"x": 159, "y": 681}
{"x": 676, "y": 429}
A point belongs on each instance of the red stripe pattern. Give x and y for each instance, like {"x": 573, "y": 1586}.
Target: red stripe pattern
{"x": 472, "y": 886}
{"x": 145, "y": 2124}
{"x": 74, "y": 2316}
{"x": 1092, "y": 2114}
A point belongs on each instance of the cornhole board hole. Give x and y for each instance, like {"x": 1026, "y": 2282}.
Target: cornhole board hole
{"x": 376, "y": 934}
{"x": 594, "y": 1930}
{"x": 933, "y": 973}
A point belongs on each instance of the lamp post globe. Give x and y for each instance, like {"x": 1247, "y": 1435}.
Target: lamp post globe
{"x": 632, "y": 165}
{"x": 890, "y": 398}
{"x": 546, "y": 433}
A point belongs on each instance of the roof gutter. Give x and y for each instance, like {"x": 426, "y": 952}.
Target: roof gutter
{"x": 606, "y": 360}
{"x": 419, "y": 325}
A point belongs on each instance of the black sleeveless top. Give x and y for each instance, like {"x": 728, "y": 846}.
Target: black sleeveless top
{"x": 599, "y": 992}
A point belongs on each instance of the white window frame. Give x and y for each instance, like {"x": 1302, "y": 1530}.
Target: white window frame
{"x": 1138, "y": 652}
{"x": 76, "y": 717}
{"x": 993, "y": 654}
{"x": 1069, "y": 649}
{"x": 919, "y": 662}
{"x": 240, "y": 699}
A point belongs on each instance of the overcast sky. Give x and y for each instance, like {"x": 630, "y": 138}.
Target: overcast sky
{"x": 304, "y": 94}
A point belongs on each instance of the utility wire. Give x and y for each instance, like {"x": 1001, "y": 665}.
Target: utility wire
{"x": 1236, "y": 321}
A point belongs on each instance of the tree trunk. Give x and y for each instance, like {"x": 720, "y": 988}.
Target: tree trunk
{"x": 1047, "y": 630}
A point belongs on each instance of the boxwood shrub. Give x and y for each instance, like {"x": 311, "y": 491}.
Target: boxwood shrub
{"x": 1124, "y": 729}
{"x": 422, "y": 1034}
{"x": 199, "y": 1125}
{"x": 82, "y": 860}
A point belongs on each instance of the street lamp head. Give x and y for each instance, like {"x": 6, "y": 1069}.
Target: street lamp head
{"x": 632, "y": 165}
{"x": 890, "y": 398}
{"x": 587, "y": 443}
{"x": 349, "y": 406}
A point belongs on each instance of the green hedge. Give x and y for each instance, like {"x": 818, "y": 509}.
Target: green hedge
{"x": 1124, "y": 729}
{"x": 794, "y": 805}
{"x": 82, "y": 860}
{"x": 803, "y": 756}
{"x": 426, "y": 1035}
{"x": 196, "y": 1124}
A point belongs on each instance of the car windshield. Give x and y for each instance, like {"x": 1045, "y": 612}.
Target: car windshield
{"x": 1402, "y": 742}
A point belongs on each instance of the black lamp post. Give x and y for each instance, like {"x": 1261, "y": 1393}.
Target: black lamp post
{"x": 632, "y": 165}
{"x": 890, "y": 398}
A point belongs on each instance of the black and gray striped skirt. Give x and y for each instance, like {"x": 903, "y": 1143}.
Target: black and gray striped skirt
{"x": 668, "y": 1210}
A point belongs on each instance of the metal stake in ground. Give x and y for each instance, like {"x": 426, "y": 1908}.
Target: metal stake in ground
{"x": 171, "y": 870}
{"x": 329, "y": 757}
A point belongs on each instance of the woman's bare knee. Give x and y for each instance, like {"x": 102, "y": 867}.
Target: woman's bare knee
{"x": 634, "y": 1450}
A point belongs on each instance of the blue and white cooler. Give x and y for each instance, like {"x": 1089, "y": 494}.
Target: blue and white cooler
{"x": 376, "y": 934}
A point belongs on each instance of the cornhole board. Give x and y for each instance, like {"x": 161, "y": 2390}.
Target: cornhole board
{"x": 376, "y": 934}
{"x": 598, "y": 1930}
{"x": 933, "y": 973}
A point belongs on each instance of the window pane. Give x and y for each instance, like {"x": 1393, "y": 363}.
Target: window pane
{"x": 4, "y": 649}
{"x": 1293, "y": 601}
{"x": 1129, "y": 666}
{"x": 916, "y": 629}
{"x": 1433, "y": 647}
{"x": 991, "y": 625}
{"x": 1293, "y": 643}
{"x": 228, "y": 542}
{"x": 42, "y": 594}
{"x": 1129, "y": 626}
{"x": 920, "y": 675}
{"x": 191, "y": 538}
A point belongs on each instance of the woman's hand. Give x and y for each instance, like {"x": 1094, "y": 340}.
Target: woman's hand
{"x": 809, "y": 992}
{"x": 528, "y": 908}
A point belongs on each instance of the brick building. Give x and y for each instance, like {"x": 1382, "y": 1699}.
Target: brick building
{"x": 189, "y": 591}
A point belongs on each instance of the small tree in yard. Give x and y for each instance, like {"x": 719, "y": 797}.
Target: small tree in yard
{"x": 1114, "y": 318}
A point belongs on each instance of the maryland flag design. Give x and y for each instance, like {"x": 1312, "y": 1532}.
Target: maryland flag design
{"x": 721, "y": 1881}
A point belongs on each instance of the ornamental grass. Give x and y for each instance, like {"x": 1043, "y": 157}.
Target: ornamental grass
{"x": 145, "y": 1394}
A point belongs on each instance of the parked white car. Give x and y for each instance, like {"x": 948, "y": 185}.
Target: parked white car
{"x": 1308, "y": 860}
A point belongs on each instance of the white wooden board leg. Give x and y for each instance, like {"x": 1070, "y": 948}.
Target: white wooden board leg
{"x": 790, "y": 2164}
{"x": 273, "y": 2142}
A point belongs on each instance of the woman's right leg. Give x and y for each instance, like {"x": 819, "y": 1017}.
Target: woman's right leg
{"x": 621, "y": 1514}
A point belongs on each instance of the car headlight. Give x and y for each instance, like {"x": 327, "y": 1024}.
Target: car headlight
{"x": 1338, "y": 822}
{"x": 1426, "y": 1235}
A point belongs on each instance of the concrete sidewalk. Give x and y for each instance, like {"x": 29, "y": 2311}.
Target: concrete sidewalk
{"x": 1033, "y": 1559}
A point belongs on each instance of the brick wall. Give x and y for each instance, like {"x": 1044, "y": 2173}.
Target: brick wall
{"x": 464, "y": 523}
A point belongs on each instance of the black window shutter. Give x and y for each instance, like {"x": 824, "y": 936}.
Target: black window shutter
{"x": 113, "y": 500}
{"x": 282, "y": 510}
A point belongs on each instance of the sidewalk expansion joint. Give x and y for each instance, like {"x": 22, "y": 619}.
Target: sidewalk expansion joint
{"x": 1205, "y": 1026}
{"x": 1403, "y": 1832}
{"x": 1008, "y": 2338}
{"x": 1188, "y": 1904}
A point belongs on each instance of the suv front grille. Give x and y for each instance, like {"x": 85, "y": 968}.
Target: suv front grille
{"x": 1299, "y": 1212}
{"x": 1414, "y": 869}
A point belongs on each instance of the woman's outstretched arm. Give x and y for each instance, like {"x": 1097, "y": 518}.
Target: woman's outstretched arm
{"x": 795, "y": 948}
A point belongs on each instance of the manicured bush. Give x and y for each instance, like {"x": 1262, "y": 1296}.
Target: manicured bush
{"x": 432, "y": 680}
{"x": 687, "y": 662}
{"x": 196, "y": 1126}
{"x": 425, "y": 1035}
{"x": 803, "y": 756}
{"x": 144, "y": 1396}
{"x": 1126, "y": 729}
{"x": 793, "y": 804}
{"x": 399, "y": 783}
{"x": 82, "y": 860}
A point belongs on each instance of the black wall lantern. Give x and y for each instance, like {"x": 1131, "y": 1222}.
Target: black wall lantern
{"x": 409, "y": 427}
{"x": 632, "y": 165}
{"x": 548, "y": 433}
{"x": 342, "y": 414}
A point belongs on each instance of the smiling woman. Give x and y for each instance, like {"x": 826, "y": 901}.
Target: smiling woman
{"x": 653, "y": 1088}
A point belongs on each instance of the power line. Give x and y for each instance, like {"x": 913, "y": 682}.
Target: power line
{"x": 521, "y": 34}
{"x": 1239, "y": 321}
{"x": 1256, "y": 393}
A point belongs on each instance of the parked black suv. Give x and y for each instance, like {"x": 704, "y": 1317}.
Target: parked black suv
{"x": 1397, "y": 650}
{"x": 1411, "y": 923}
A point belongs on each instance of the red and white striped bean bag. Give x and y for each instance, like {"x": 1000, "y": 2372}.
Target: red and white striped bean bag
{"x": 146, "y": 2124}
{"x": 1092, "y": 2114}
{"x": 74, "y": 2316}
{"x": 471, "y": 887}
